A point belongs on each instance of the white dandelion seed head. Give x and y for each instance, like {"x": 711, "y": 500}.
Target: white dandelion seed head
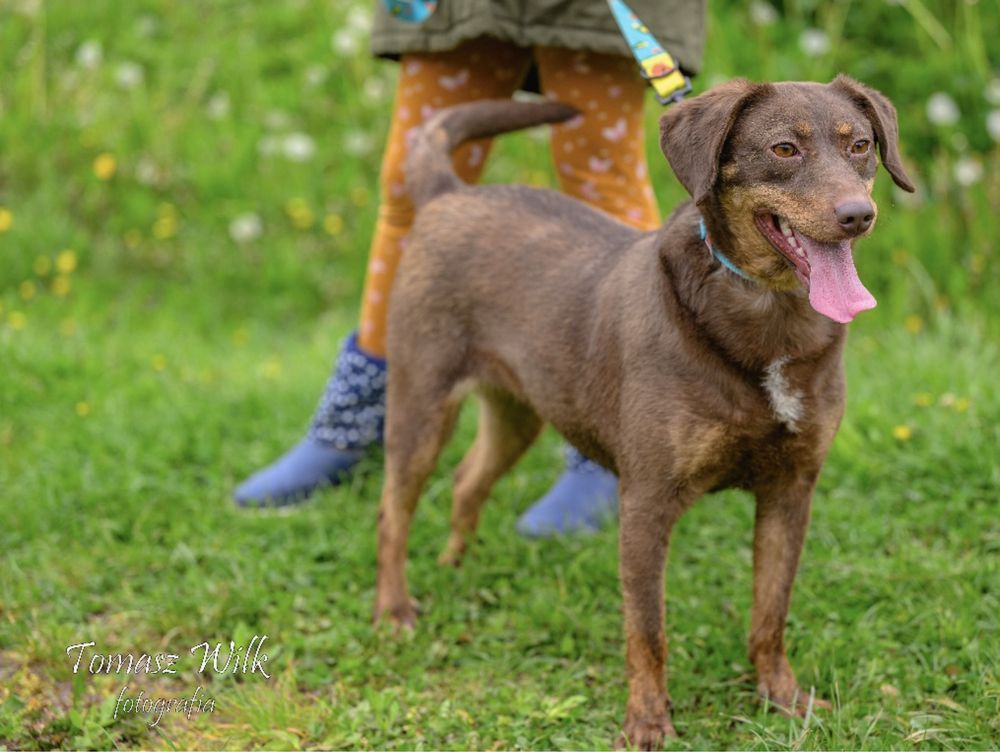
{"x": 346, "y": 42}
{"x": 913, "y": 200}
{"x": 146, "y": 26}
{"x": 814, "y": 42}
{"x": 762, "y": 13}
{"x": 968, "y": 171}
{"x": 69, "y": 80}
{"x": 358, "y": 143}
{"x": 359, "y": 18}
{"x": 992, "y": 91}
{"x": 942, "y": 109}
{"x": 277, "y": 120}
{"x": 298, "y": 147}
{"x": 218, "y": 105}
{"x": 28, "y": 8}
{"x": 246, "y": 228}
{"x": 146, "y": 171}
{"x": 374, "y": 90}
{"x": 129, "y": 75}
{"x": 268, "y": 146}
{"x": 89, "y": 54}
{"x": 993, "y": 124}
{"x": 315, "y": 75}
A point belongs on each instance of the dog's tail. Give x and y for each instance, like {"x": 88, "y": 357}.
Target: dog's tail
{"x": 429, "y": 171}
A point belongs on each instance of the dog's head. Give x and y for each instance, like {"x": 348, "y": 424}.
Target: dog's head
{"x": 783, "y": 175}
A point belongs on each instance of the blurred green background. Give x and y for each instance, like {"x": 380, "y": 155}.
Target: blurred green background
{"x": 187, "y": 191}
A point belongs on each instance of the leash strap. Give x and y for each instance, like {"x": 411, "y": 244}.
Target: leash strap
{"x": 657, "y": 65}
{"x": 719, "y": 255}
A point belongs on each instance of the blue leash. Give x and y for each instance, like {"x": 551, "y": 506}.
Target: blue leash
{"x": 412, "y": 11}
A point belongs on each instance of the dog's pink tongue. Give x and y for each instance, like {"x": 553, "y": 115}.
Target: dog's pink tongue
{"x": 834, "y": 287}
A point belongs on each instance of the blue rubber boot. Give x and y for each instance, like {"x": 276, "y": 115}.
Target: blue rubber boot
{"x": 348, "y": 421}
{"x": 583, "y": 499}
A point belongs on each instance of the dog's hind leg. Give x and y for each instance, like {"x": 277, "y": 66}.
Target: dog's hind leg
{"x": 418, "y": 425}
{"x": 507, "y": 427}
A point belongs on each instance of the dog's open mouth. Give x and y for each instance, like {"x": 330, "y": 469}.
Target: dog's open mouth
{"x": 826, "y": 270}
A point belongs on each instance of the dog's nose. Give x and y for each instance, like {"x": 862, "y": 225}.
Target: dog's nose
{"x": 855, "y": 216}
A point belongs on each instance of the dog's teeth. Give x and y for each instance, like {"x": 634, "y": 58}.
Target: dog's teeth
{"x": 792, "y": 241}
{"x": 785, "y": 229}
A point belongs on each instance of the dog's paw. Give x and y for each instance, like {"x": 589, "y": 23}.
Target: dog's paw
{"x": 451, "y": 558}
{"x": 791, "y": 700}
{"x": 646, "y": 734}
{"x": 400, "y": 616}
{"x": 454, "y": 551}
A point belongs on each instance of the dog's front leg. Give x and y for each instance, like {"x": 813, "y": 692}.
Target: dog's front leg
{"x": 779, "y": 533}
{"x": 647, "y": 516}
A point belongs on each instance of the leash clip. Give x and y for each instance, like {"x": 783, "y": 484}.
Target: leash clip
{"x": 655, "y": 64}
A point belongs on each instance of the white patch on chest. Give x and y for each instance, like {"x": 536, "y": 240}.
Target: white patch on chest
{"x": 785, "y": 401}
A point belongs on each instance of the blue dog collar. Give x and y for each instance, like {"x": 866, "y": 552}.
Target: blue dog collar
{"x": 719, "y": 255}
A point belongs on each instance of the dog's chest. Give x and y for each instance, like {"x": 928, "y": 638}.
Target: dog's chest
{"x": 787, "y": 401}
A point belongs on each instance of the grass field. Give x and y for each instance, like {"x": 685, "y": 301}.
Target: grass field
{"x": 186, "y": 196}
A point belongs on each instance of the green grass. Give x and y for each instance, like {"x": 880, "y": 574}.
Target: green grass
{"x": 179, "y": 360}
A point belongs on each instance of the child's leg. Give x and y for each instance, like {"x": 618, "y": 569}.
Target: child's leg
{"x": 600, "y": 158}
{"x": 351, "y": 410}
{"x": 480, "y": 69}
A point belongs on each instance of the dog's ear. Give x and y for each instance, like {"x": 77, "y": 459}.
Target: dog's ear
{"x": 693, "y": 133}
{"x": 882, "y": 115}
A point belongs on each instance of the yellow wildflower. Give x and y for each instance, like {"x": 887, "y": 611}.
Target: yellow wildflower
{"x": 299, "y": 212}
{"x": 538, "y": 178}
{"x": 82, "y": 409}
{"x": 105, "y": 166}
{"x": 27, "y": 290}
{"x": 66, "y": 262}
{"x": 359, "y": 195}
{"x": 333, "y": 224}
{"x": 924, "y": 399}
{"x": 61, "y": 286}
{"x": 962, "y": 404}
{"x": 165, "y": 227}
{"x": 6, "y": 219}
{"x": 43, "y": 265}
{"x": 902, "y": 433}
{"x": 159, "y": 362}
{"x": 16, "y": 320}
{"x": 240, "y": 336}
{"x": 914, "y": 324}
{"x": 271, "y": 368}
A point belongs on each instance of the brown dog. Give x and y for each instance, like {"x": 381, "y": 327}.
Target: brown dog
{"x": 652, "y": 357}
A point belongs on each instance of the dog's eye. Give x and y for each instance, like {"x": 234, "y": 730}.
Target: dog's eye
{"x": 861, "y": 146}
{"x": 785, "y": 150}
